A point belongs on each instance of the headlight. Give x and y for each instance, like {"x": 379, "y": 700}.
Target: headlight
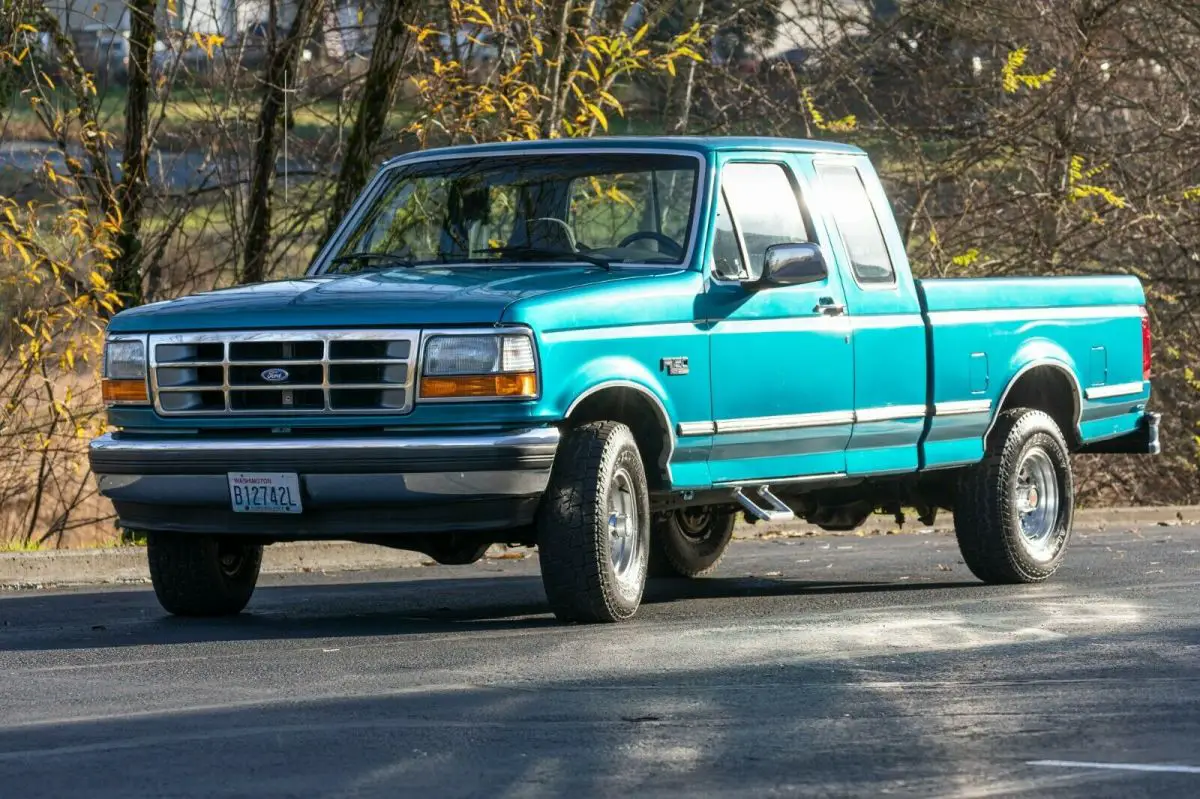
{"x": 478, "y": 367}
{"x": 124, "y": 377}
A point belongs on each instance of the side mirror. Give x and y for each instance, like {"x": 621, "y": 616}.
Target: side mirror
{"x": 791, "y": 265}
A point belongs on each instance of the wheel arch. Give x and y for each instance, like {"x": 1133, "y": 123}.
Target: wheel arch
{"x": 635, "y": 405}
{"x": 1049, "y": 385}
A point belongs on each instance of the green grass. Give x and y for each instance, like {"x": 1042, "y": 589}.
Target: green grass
{"x": 189, "y": 109}
{"x": 18, "y": 545}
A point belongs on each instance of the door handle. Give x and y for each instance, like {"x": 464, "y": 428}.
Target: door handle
{"x": 826, "y": 305}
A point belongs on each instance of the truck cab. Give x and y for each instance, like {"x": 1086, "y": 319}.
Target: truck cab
{"x": 611, "y": 349}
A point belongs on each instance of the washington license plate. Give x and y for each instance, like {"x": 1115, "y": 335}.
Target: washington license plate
{"x": 264, "y": 492}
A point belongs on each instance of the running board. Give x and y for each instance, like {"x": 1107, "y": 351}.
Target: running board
{"x": 778, "y": 512}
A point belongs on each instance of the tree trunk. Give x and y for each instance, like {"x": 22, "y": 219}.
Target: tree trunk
{"x": 379, "y": 93}
{"x": 131, "y": 194}
{"x": 281, "y": 70}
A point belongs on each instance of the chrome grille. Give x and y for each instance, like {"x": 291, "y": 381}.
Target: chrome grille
{"x": 286, "y": 372}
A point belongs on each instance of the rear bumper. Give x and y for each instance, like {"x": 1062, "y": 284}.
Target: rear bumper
{"x": 350, "y": 486}
{"x": 1142, "y": 441}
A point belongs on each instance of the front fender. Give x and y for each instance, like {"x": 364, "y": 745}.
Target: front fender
{"x": 611, "y": 372}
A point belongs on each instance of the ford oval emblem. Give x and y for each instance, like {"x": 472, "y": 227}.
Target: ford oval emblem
{"x": 275, "y": 375}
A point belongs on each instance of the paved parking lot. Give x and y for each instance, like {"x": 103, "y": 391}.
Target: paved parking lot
{"x": 827, "y": 665}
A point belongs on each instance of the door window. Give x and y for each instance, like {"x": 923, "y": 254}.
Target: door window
{"x": 765, "y": 209}
{"x": 726, "y": 252}
{"x": 854, "y": 216}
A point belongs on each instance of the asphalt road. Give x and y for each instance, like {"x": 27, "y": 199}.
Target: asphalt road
{"x": 814, "y": 666}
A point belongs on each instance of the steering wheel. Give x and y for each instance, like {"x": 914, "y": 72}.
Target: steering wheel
{"x": 666, "y": 244}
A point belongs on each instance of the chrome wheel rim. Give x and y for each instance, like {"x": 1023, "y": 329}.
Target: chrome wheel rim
{"x": 1037, "y": 503}
{"x": 624, "y": 540}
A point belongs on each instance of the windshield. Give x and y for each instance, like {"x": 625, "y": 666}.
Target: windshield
{"x": 597, "y": 208}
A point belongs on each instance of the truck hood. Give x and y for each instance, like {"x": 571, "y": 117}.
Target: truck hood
{"x": 421, "y": 297}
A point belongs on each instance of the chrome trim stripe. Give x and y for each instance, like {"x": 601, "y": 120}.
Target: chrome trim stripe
{"x": 1036, "y": 314}
{"x": 377, "y": 184}
{"x": 1117, "y": 390}
{"x": 890, "y": 413}
{"x": 696, "y": 428}
{"x": 754, "y": 424}
{"x": 962, "y": 407}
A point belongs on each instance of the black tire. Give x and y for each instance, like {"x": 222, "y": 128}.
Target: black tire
{"x": 994, "y": 497}
{"x": 202, "y": 575}
{"x": 597, "y": 465}
{"x": 690, "y": 542}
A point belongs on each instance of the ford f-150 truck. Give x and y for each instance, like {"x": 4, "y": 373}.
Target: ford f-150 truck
{"x": 610, "y": 349}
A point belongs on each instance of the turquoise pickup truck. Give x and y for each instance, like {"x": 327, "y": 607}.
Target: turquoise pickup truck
{"x": 611, "y": 349}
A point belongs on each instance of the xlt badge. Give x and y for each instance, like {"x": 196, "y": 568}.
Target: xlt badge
{"x": 675, "y": 366}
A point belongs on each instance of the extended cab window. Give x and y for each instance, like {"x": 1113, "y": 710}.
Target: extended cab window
{"x": 852, "y": 212}
{"x": 765, "y": 208}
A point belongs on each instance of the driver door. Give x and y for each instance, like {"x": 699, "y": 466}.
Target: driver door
{"x": 782, "y": 363}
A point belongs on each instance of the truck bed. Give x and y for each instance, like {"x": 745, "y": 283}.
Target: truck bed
{"x": 985, "y": 336}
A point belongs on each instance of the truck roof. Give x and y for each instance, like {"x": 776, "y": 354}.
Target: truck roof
{"x": 684, "y": 143}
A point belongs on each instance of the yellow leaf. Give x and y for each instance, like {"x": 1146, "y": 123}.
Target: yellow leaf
{"x": 599, "y": 115}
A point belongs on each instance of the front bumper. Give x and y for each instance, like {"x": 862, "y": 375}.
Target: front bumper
{"x": 351, "y": 486}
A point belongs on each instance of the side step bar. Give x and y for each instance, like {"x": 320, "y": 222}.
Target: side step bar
{"x": 778, "y": 511}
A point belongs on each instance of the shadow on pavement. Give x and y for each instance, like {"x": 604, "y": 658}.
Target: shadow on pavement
{"x": 98, "y": 619}
{"x": 787, "y": 726}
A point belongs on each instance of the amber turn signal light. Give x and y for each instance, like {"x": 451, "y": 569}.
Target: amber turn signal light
{"x": 124, "y": 391}
{"x": 519, "y": 384}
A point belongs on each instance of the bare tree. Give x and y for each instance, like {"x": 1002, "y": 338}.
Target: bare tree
{"x": 127, "y": 273}
{"x": 282, "y": 60}
{"x": 374, "y": 106}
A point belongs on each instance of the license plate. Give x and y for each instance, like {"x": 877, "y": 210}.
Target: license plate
{"x": 264, "y": 492}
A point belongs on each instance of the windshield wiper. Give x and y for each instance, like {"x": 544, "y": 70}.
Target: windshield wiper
{"x": 389, "y": 259}
{"x": 550, "y": 252}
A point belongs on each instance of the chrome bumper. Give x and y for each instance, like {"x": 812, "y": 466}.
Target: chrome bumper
{"x": 1142, "y": 441}
{"x": 373, "y": 485}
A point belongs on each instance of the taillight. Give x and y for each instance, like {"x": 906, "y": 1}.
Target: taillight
{"x": 1145, "y": 345}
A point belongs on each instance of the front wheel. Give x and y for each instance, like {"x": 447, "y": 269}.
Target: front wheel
{"x": 1013, "y": 511}
{"x": 202, "y": 575}
{"x": 594, "y": 526}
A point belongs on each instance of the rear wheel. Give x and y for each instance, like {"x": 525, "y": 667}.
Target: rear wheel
{"x": 690, "y": 542}
{"x": 202, "y": 575}
{"x": 594, "y": 526}
{"x": 1013, "y": 511}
